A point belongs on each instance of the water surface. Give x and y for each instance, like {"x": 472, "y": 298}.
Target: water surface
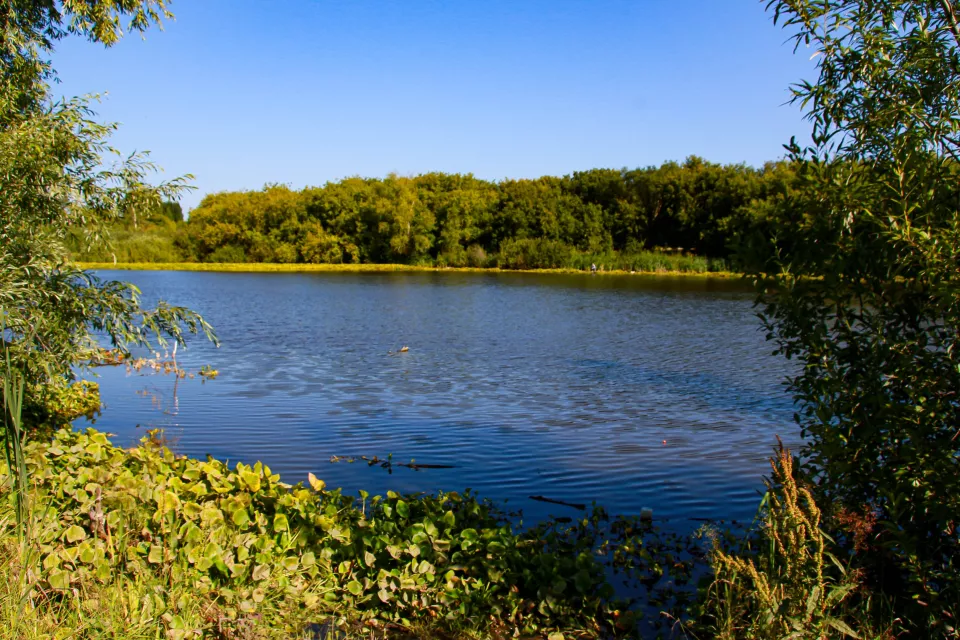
{"x": 630, "y": 391}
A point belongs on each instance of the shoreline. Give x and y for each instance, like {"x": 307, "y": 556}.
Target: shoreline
{"x": 272, "y": 267}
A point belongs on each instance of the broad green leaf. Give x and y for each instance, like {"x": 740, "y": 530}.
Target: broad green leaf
{"x": 240, "y": 517}
{"x": 192, "y": 509}
{"x": 74, "y": 534}
{"x": 317, "y": 484}
{"x": 167, "y": 501}
{"x": 495, "y": 546}
{"x": 355, "y": 587}
{"x": 250, "y": 480}
{"x": 86, "y": 553}
{"x": 59, "y": 579}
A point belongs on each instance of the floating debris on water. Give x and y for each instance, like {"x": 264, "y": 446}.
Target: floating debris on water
{"x": 575, "y": 505}
{"x": 389, "y": 464}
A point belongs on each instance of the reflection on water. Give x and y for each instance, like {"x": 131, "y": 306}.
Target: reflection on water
{"x": 630, "y": 391}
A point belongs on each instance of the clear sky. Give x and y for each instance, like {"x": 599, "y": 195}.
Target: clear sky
{"x": 245, "y": 92}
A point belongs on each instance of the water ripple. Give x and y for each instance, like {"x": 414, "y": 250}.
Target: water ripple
{"x": 632, "y": 392}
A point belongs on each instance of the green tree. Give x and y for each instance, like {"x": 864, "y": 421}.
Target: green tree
{"x": 608, "y": 191}
{"x": 462, "y": 207}
{"x": 860, "y": 284}
{"x": 403, "y": 223}
{"x": 171, "y": 211}
{"x": 53, "y": 181}
{"x": 454, "y": 220}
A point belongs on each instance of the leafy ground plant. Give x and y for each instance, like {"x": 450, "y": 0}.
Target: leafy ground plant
{"x": 230, "y": 552}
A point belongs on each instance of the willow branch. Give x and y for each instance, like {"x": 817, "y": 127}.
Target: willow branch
{"x": 947, "y": 7}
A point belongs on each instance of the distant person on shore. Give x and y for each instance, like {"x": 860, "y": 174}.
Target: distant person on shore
{"x": 593, "y": 268}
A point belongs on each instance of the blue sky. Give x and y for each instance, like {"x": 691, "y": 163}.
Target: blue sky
{"x": 245, "y": 92}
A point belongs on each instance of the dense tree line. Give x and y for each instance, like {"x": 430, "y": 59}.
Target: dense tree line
{"x": 604, "y": 215}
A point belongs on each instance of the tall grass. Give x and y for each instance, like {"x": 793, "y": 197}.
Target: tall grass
{"x": 649, "y": 262}
{"x": 13, "y": 388}
{"x": 786, "y": 581}
{"x": 153, "y": 245}
{"x": 18, "y": 570}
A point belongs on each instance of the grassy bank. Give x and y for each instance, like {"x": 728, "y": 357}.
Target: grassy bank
{"x": 253, "y": 267}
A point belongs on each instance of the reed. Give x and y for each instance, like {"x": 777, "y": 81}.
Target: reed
{"x": 13, "y": 389}
{"x": 787, "y": 580}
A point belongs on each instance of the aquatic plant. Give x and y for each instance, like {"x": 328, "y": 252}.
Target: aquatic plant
{"x": 224, "y": 548}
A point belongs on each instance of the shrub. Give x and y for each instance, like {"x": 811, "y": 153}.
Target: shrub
{"x": 534, "y": 254}
{"x": 151, "y": 244}
{"x": 476, "y": 257}
{"x": 860, "y": 285}
{"x": 285, "y": 253}
{"x": 228, "y": 254}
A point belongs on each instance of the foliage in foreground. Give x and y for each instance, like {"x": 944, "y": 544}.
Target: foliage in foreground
{"x": 128, "y": 543}
{"x": 785, "y": 581}
{"x": 862, "y": 288}
{"x": 57, "y": 180}
{"x": 224, "y": 550}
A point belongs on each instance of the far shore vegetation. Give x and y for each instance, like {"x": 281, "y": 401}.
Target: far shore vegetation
{"x": 272, "y": 267}
{"x": 680, "y": 217}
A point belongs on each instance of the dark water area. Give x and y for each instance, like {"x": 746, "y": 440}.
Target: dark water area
{"x": 629, "y": 391}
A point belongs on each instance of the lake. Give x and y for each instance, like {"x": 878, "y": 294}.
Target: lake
{"x": 630, "y": 391}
